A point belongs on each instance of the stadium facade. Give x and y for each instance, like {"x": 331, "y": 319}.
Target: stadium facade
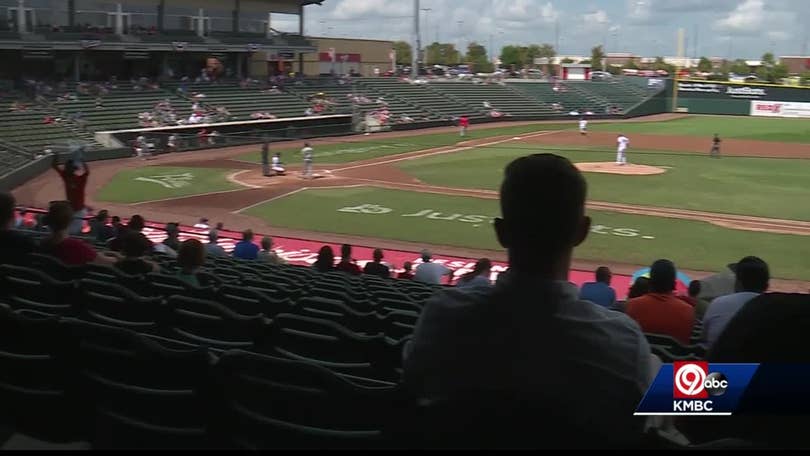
{"x": 94, "y": 39}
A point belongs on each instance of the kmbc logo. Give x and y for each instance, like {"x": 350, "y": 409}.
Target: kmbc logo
{"x": 692, "y": 380}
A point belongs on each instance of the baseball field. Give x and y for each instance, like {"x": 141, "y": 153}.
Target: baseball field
{"x": 433, "y": 188}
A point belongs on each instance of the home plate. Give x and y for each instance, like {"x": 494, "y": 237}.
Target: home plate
{"x": 517, "y": 138}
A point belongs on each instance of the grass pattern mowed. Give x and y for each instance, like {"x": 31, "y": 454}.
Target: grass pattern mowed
{"x": 691, "y": 244}
{"x": 736, "y": 127}
{"x": 355, "y": 151}
{"x": 126, "y": 188}
{"x": 775, "y": 188}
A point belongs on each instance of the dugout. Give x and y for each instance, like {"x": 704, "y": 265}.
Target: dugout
{"x": 233, "y": 133}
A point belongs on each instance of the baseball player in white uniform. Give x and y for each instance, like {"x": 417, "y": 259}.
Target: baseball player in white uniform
{"x": 583, "y": 126}
{"x": 307, "y": 152}
{"x": 623, "y": 142}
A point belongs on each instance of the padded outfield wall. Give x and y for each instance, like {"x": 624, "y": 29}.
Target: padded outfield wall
{"x": 716, "y": 97}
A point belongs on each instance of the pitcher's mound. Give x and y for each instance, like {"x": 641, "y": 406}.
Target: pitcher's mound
{"x": 612, "y": 168}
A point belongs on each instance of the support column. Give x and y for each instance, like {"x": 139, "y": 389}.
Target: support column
{"x": 239, "y": 65}
{"x": 161, "y": 15}
{"x": 164, "y": 66}
{"x": 71, "y": 6}
{"x": 21, "y": 16}
{"x": 200, "y": 23}
{"x": 237, "y": 10}
{"x": 77, "y": 66}
{"x": 119, "y": 19}
{"x": 301, "y": 32}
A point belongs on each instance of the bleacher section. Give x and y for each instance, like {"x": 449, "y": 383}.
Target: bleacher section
{"x": 618, "y": 93}
{"x": 121, "y": 107}
{"x": 428, "y": 102}
{"x": 502, "y": 99}
{"x": 28, "y": 130}
{"x": 544, "y": 94}
{"x": 241, "y": 103}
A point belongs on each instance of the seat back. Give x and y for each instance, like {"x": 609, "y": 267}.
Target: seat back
{"x": 29, "y": 288}
{"x": 34, "y": 386}
{"x": 143, "y": 394}
{"x": 212, "y": 324}
{"x": 268, "y": 402}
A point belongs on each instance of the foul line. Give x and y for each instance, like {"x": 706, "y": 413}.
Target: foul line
{"x": 232, "y": 178}
{"x": 187, "y": 196}
{"x": 293, "y": 192}
{"x": 447, "y": 151}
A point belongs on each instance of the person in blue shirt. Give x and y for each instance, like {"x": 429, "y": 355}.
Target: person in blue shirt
{"x": 599, "y": 292}
{"x": 246, "y": 249}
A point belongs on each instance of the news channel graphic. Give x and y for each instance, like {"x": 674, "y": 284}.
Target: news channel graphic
{"x": 697, "y": 388}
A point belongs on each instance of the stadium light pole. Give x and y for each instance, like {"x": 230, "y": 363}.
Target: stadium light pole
{"x": 418, "y": 42}
{"x": 427, "y": 34}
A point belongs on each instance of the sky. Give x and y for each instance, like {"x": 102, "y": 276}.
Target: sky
{"x": 740, "y": 28}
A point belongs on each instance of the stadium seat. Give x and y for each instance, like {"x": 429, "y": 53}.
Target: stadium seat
{"x": 673, "y": 346}
{"x": 34, "y": 384}
{"x": 140, "y": 394}
{"x": 28, "y": 288}
{"x": 331, "y": 345}
{"x": 114, "y": 305}
{"x": 211, "y": 324}
{"x": 333, "y": 310}
{"x": 251, "y": 301}
{"x": 272, "y": 403}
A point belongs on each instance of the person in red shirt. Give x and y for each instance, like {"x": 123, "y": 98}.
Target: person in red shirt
{"x": 347, "y": 264}
{"x": 660, "y": 311}
{"x": 463, "y": 122}
{"x": 59, "y": 244}
{"x": 75, "y": 185}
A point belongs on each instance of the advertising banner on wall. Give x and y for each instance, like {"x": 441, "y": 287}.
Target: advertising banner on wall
{"x": 780, "y": 109}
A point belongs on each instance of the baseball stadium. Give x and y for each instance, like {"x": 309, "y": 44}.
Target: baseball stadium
{"x": 177, "y": 116}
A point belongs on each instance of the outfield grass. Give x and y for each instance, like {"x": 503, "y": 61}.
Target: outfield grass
{"x": 356, "y": 151}
{"x": 129, "y": 186}
{"x": 739, "y": 185}
{"x": 737, "y": 127}
{"x": 623, "y": 238}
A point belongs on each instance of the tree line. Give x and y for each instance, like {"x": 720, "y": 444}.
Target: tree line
{"x": 518, "y": 56}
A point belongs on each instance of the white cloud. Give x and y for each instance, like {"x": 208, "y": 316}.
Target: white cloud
{"x": 747, "y": 16}
{"x": 353, "y": 9}
{"x": 778, "y": 35}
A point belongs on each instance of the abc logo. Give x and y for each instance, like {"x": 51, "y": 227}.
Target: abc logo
{"x": 692, "y": 381}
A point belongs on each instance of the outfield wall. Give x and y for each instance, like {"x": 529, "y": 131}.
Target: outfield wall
{"x": 717, "y": 97}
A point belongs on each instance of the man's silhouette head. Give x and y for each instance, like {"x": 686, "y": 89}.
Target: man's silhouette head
{"x": 542, "y": 213}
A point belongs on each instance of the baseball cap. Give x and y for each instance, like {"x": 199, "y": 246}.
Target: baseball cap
{"x": 426, "y": 253}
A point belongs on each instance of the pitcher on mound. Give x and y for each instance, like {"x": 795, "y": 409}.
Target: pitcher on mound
{"x": 623, "y": 142}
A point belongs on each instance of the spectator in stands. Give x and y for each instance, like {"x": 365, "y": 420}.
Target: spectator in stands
{"x": 660, "y": 311}
{"x": 347, "y": 263}
{"x": 135, "y": 247}
{"x": 407, "y": 272}
{"x": 60, "y": 245}
{"x": 220, "y": 226}
{"x": 377, "y": 267}
{"x": 478, "y": 277}
{"x": 172, "y": 236}
{"x": 75, "y": 185}
{"x": 430, "y": 272}
{"x": 246, "y": 249}
{"x": 599, "y": 292}
{"x": 326, "y": 260}
{"x": 530, "y": 331}
{"x": 190, "y": 258}
{"x": 639, "y": 288}
{"x": 13, "y": 245}
{"x": 99, "y": 227}
{"x": 267, "y": 254}
{"x": 752, "y": 279}
{"x": 213, "y": 249}
{"x": 202, "y": 224}
{"x": 700, "y": 305}
{"x": 769, "y": 328}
